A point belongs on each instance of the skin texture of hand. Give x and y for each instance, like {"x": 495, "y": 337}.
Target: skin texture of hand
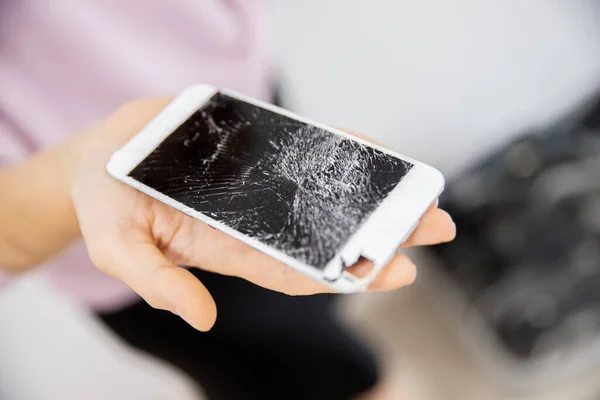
{"x": 142, "y": 241}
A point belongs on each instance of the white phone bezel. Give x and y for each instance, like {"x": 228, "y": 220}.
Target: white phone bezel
{"x": 377, "y": 239}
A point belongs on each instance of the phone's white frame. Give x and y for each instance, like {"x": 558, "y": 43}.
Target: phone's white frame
{"x": 377, "y": 239}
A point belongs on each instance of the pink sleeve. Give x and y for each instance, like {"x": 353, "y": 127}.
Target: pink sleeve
{"x": 14, "y": 146}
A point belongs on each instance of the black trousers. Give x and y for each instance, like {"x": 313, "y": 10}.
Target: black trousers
{"x": 265, "y": 345}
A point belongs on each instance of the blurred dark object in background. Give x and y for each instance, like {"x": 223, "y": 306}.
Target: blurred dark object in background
{"x": 527, "y": 254}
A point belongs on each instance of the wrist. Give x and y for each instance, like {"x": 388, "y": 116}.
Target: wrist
{"x": 74, "y": 152}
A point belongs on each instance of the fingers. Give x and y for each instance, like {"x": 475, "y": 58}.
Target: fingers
{"x": 436, "y": 226}
{"x": 162, "y": 284}
{"x": 228, "y": 256}
{"x": 399, "y": 272}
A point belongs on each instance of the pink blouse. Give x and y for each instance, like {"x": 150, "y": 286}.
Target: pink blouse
{"x": 66, "y": 64}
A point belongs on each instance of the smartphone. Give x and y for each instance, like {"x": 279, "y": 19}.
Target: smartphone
{"x": 313, "y": 197}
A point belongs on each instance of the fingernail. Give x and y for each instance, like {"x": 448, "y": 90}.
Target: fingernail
{"x": 178, "y": 312}
{"x": 453, "y": 236}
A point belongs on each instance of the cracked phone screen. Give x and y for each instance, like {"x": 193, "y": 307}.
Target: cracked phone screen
{"x": 297, "y": 188}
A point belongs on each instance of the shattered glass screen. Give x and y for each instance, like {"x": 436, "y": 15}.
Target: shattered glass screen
{"x": 295, "y": 187}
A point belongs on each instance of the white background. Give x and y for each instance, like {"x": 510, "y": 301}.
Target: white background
{"x": 438, "y": 80}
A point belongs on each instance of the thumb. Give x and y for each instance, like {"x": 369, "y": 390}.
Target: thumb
{"x": 164, "y": 285}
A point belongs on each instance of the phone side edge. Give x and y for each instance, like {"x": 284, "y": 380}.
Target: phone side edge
{"x": 395, "y": 219}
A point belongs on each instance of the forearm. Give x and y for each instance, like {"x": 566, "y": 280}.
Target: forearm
{"x": 37, "y": 219}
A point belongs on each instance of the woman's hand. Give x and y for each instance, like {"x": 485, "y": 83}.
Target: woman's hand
{"x": 141, "y": 241}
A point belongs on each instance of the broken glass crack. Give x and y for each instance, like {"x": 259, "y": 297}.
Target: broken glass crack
{"x": 295, "y": 187}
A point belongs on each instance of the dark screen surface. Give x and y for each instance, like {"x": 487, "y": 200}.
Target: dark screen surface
{"x": 295, "y": 187}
